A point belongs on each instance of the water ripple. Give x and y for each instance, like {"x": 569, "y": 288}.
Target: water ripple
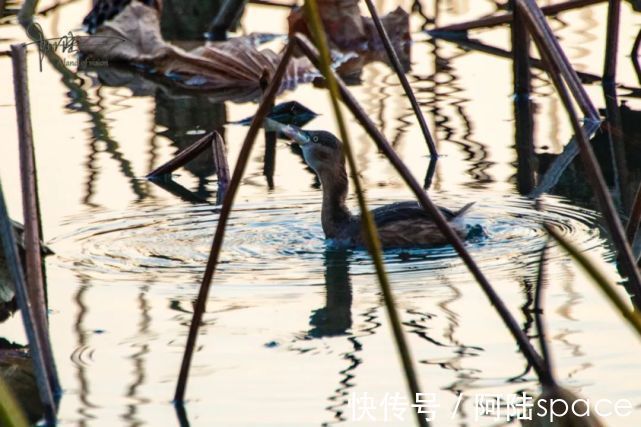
{"x": 281, "y": 242}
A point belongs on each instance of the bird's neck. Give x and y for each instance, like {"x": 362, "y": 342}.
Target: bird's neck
{"x": 334, "y": 215}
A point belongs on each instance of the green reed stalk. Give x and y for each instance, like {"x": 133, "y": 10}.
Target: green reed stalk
{"x": 11, "y": 414}
{"x": 371, "y": 233}
{"x": 633, "y": 317}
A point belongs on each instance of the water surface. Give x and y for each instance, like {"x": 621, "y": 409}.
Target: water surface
{"x": 293, "y": 327}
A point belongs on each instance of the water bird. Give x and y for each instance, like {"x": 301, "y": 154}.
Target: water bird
{"x": 287, "y": 113}
{"x": 400, "y": 225}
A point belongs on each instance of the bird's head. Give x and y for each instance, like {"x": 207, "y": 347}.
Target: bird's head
{"x": 322, "y": 151}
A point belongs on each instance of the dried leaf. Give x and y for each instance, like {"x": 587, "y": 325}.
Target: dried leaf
{"x": 133, "y": 36}
{"x": 348, "y": 30}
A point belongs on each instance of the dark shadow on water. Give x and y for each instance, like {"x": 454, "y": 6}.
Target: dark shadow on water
{"x": 335, "y": 318}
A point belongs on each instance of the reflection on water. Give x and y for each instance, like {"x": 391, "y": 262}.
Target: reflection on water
{"x": 293, "y": 327}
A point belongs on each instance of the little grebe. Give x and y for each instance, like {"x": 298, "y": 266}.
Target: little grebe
{"x": 402, "y": 224}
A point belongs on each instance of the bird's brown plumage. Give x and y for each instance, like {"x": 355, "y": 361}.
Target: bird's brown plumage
{"x": 402, "y": 224}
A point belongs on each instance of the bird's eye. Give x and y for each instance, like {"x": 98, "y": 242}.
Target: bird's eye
{"x": 315, "y": 139}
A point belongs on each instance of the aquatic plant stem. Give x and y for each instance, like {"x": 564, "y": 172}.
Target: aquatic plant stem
{"x": 633, "y": 317}
{"x": 162, "y": 174}
{"x": 539, "y": 28}
{"x": 396, "y": 64}
{"x": 184, "y": 157}
{"x": 523, "y": 113}
{"x": 424, "y": 200}
{"x": 612, "y": 41}
{"x": 474, "y": 44}
{"x": 31, "y": 212}
{"x": 14, "y": 265}
{"x": 593, "y": 172}
{"x": 229, "y": 12}
{"x": 222, "y": 167}
{"x": 28, "y": 9}
{"x": 493, "y": 21}
{"x": 371, "y": 233}
{"x": 241, "y": 163}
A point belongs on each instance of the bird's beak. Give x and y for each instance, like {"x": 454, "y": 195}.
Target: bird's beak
{"x": 293, "y": 132}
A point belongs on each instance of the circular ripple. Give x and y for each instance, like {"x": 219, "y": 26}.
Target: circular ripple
{"x": 282, "y": 242}
{"x": 83, "y": 355}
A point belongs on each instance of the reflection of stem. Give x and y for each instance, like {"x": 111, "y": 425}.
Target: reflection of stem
{"x": 100, "y": 130}
{"x": 81, "y": 375}
{"x": 138, "y": 358}
{"x": 464, "y": 376}
{"x": 635, "y": 56}
{"x": 476, "y": 151}
{"x": 178, "y": 190}
{"x": 181, "y": 414}
{"x": 339, "y": 399}
{"x": 400, "y": 72}
{"x": 538, "y": 313}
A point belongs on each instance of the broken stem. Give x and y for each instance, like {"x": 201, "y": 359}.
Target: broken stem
{"x": 184, "y": 157}
{"x": 241, "y": 163}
